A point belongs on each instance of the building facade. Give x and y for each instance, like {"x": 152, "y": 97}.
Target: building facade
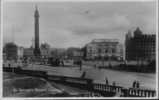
{"x": 74, "y": 53}
{"x": 45, "y": 53}
{"x": 28, "y": 52}
{"x": 104, "y": 49}
{"x": 11, "y": 51}
{"x": 20, "y": 52}
{"x": 139, "y": 46}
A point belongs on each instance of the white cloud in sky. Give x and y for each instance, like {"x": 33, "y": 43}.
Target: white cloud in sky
{"x": 65, "y": 24}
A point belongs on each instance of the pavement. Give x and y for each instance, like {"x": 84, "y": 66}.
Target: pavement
{"x": 122, "y": 78}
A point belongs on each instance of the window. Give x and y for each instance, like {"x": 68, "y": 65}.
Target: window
{"x": 99, "y": 50}
{"x": 106, "y": 51}
{"x": 113, "y": 50}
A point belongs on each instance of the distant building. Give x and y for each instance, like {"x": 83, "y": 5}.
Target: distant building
{"x": 10, "y": 51}
{"x": 120, "y": 51}
{"x": 45, "y": 52}
{"x": 139, "y": 46}
{"x": 104, "y": 49}
{"x": 57, "y": 52}
{"x": 74, "y": 53}
{"x": 28, "y": 52}
{"x": 44, "y": 46}
{"x": 4, "y": 56}
{"x": 20, "y": 52}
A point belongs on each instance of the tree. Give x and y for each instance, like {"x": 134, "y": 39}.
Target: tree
{"x": 45, "y": 46}
{"x": 11, "y": 50}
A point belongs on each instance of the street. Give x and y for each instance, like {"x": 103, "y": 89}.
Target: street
{"x": 121, "y": 78}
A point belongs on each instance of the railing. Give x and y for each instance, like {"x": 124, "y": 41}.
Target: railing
{"x": 109, "y": 88}
{"x": 141, "y": 92}
{"x": 130, "y": 92}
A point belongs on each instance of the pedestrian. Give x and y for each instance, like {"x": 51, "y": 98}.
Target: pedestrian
{"x": 83, "y": 75}
{"x": 134, "y": 84}
{"x": 106, "y": 81}
{"x": 137, "y": 84}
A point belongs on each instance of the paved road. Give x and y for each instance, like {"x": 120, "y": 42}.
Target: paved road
{"x": 147, "y": 80}
{"x": 122, "y": 78}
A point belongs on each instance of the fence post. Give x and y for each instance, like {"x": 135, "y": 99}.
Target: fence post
{"x": 125, "y": 91}
{"x": 138, "y": 92}
{"x": 152, "y": 93}
{"x": 149, "y": 93}
{"x": 90, "y": 85}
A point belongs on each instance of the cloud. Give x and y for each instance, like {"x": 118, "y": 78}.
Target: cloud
{"x": 75, "y": 24}
{"x": 102, "y": 26}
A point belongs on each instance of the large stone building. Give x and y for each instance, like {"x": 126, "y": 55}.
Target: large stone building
{"x": 45, "y": 51}
{"x": 28, "y": 53}
{"x": 20, "y": 52}
{"x": 139, "y": 46}
{"x": 12, "y": 52}
{"x": 74, "y": 53}
{"x": 108, "y": 49}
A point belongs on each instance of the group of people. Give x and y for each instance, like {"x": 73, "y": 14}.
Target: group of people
{"x": 136, "y": 84}
{"x": 56, "y": 61}
{"x": 107, "y": 83}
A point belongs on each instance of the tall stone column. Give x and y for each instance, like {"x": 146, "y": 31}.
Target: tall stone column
{"x": 36, "y": 49}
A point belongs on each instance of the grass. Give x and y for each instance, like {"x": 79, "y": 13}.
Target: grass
{"x": 28, "y": 83}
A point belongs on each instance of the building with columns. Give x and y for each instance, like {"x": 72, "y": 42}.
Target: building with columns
{"x": 108, "y": 49}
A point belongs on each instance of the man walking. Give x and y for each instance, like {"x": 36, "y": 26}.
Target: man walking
{"x": 106, "y": 81}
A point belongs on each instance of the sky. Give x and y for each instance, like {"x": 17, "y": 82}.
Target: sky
{"x": 74, "y": 24}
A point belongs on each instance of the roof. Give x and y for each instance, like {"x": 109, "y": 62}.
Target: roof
{"x": 105, "y": 40}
